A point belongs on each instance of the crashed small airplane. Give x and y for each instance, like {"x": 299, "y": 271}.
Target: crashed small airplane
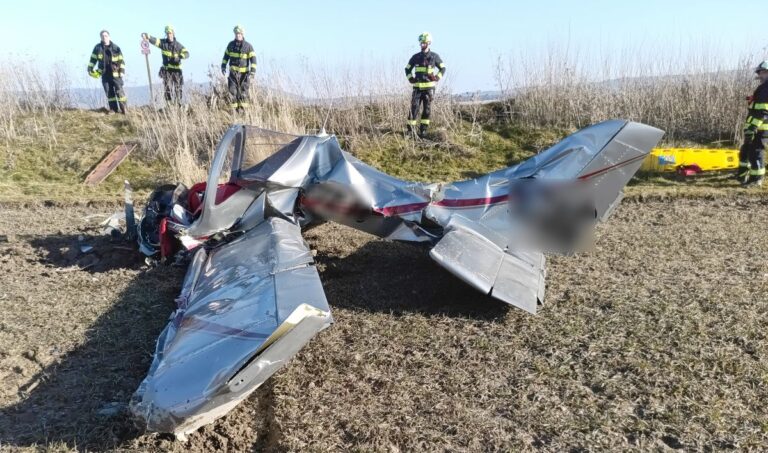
{"x": 252, "y": 297}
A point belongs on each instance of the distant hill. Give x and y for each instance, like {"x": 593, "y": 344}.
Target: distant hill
{"x": 90, "y": 98}
{"x": 478, "y": 96}
{"x": 139, "y": 95}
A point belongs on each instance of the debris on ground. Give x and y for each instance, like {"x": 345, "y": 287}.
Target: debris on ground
{"x": 112, "y": 409}
{"x": 109, "y": 163}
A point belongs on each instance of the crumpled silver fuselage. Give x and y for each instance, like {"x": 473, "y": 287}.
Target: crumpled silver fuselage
{"x": 251, "y": 302}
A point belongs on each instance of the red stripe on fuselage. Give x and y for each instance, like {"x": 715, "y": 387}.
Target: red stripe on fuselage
{"x": 475, "y": 202}
{"x": 444, "y": 203}
{"x": 470, "y": 202}
{"x": 612, "y": 167}
{"x": 401, "y": 209}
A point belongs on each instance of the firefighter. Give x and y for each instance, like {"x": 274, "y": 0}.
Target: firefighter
{"x": 242, "y": 66}
{"x": 424, "y": 70}
{"x": 752, "y": 153}
{"x": 107, "y": 62}
{"x": 173, "y": 52}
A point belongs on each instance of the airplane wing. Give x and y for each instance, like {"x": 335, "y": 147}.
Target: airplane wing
{"x": 246, "y": 307}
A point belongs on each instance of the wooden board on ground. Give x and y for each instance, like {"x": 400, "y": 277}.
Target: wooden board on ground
{"x": 108, "y": 164}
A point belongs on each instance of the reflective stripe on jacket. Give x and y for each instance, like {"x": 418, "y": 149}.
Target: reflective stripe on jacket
{"x": 421, "y": 66}
{"x": 173, "y": 52}
{"x": 107, "y": 60}
{"x": 240, "y": 56}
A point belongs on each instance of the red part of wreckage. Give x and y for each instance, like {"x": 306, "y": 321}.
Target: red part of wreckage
{"x": 169, "y": 243}
{"x": 197, "y": 192}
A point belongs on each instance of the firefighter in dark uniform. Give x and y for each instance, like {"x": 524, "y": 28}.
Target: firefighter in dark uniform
{"x": 107, "y": 62}
{"x": 242, "y": 66}
{"x": 173, "y": 52}
{"x": 423, "y": 71}
{"x": 751, "y": 170}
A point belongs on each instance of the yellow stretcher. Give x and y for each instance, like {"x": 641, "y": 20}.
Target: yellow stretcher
{"x": 688, "y": 161}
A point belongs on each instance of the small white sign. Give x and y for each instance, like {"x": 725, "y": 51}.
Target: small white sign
{"x": 144, "y": 47}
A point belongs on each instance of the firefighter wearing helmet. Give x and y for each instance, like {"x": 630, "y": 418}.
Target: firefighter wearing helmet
{"x": 751, "y": 170}
{"x": 173, "y": 52}
{"x": 108, "y": 64}
{"x": 242, "y": 67}
{"x": 423, "y": 71}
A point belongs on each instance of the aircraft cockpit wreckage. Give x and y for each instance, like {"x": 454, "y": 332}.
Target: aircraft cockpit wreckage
{"x": 252, "y": 296}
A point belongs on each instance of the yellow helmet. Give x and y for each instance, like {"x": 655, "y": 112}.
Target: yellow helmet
{"x": 425, "y": 37}
{"x": 239, "y": 29}
{"x": 169, "y": 29}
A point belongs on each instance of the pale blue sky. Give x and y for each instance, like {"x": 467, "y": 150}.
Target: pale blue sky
{"x": 468, "y": 35}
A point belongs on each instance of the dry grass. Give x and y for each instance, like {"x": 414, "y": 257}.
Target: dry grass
{"x": 362, "y": 111}
{"x": 693, "y": 94}
{"x": 658, "y": 344}
{"x": 558, "y": 91}
{"x": 27, "y": 90}
{"x": 654, "y": 340}
{"x": 32, "y": 171}
{"x": 698, "y": 99}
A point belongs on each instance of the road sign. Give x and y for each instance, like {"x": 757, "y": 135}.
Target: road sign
{"x": 145, "y": 51}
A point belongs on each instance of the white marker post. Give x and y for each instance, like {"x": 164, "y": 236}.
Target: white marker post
{"x": 145, "y": 51}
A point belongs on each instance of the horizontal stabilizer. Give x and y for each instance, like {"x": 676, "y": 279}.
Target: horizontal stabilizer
{"x": 515, "y": 278}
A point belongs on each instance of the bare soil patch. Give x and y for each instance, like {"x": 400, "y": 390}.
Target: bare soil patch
{"x": 655, "y": 339}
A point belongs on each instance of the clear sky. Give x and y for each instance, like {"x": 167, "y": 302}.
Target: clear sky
{"x": 468, "y": 35}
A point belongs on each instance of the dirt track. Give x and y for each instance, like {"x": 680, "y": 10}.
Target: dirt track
{"x": 657, "y": 338}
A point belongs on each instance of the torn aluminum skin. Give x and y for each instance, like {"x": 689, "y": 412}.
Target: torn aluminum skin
{"x": 245, "y": 308}
{"x": 252, "y": 297}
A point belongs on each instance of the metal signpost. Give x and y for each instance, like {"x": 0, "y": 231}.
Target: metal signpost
{"x": 145, "y": 51}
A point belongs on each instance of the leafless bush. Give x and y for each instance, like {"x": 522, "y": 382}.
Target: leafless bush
{"x": 358, "y": 109}
{"x": 28, "y": 98}
{"x": 696, "y": 97}
{"x": 699, "y": 97}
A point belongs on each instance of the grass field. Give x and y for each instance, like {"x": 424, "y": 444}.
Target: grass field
{"x": 51, "y": 162}
{"x": 654, "y": 340}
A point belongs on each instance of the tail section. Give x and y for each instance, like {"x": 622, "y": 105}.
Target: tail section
{"x": 599, "y": 159}
{"x": 497, "y": 227}
{"x": 612, "y": 168}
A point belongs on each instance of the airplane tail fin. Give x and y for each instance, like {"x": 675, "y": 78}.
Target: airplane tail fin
{"x": 604, "y": 156}
{"x": 557, "y": 196}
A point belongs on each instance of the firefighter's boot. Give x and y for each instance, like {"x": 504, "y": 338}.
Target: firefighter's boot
{"x": 742, "y": 173}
